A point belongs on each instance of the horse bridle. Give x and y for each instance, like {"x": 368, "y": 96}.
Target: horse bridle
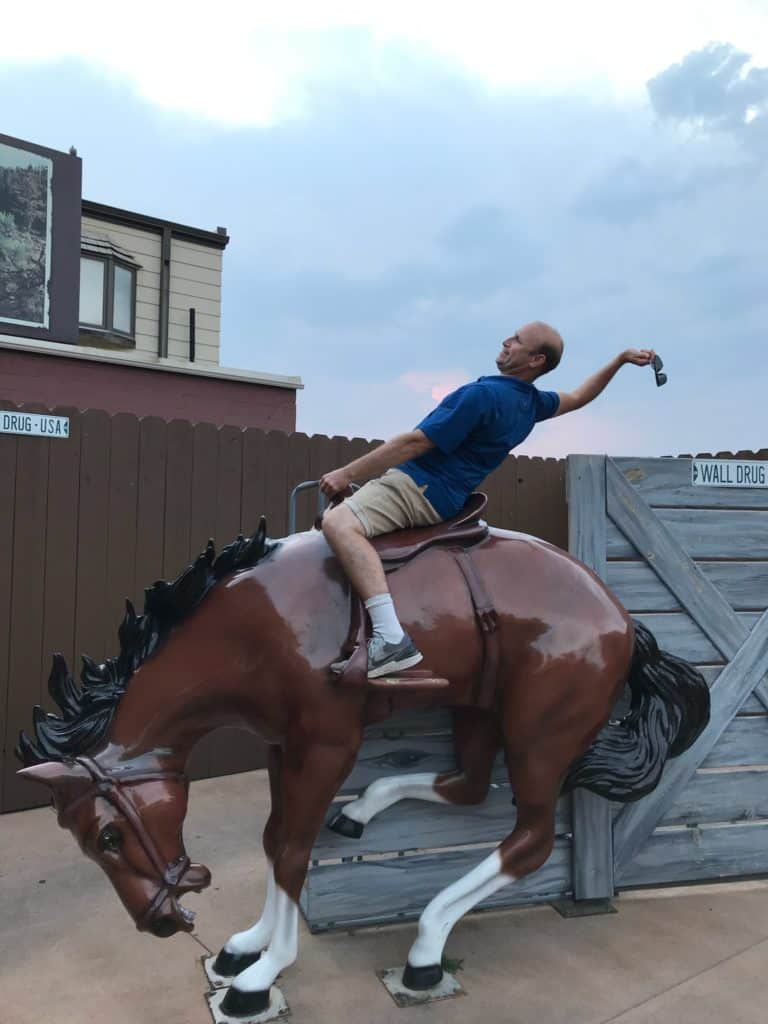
{"x": 105, "y": 784}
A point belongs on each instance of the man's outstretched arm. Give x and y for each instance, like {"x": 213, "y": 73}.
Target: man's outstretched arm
{"x": 594, "y": 385}
{"x": 391, "y": 453}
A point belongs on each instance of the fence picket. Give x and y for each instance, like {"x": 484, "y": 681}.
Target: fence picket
{"x": 25, "y": 668}
{"x": 205, "y": 462}
{"x": 178, "y": 498}
{"x": 8, "y": 446}
{"x": 63, "y": 515}
{"x": 122, "y": 515}
{"x": 150, "y": 530}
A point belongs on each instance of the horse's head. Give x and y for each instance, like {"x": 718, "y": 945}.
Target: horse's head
{"x": 129, "y": 820}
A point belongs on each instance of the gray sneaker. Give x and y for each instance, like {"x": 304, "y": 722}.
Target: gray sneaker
{"x": 384, "y": 658}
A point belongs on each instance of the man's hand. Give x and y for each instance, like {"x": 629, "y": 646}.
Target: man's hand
{"x": 335, "y": 482}
{"x": 638, "y": 356}
{"x": 594, "y": 385}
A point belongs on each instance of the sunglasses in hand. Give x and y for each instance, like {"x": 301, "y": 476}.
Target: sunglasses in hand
{"x": 661, "y": 378}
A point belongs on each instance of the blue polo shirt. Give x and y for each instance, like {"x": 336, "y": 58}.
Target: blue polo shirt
{"x": 473, "y": 430}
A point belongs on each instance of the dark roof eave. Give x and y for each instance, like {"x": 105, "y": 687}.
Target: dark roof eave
{"x": 183, "y": 232}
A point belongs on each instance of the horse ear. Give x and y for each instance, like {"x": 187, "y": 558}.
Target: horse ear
{"x": 55, "y": 774}
{"x": 67, "y": 781}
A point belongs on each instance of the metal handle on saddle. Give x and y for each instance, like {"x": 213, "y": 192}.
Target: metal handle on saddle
{"x": 322, "y": 501}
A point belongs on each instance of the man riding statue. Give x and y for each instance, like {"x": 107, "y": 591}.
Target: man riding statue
{"x": 429, "y": 472}
{"x": 531, "y": 656}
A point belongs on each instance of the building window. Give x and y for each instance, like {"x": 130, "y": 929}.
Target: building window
{"x": 108, "y": 298}
{"x": 93, "y": 292}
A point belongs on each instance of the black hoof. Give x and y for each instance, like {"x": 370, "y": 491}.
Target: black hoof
{"x": 421, "y": 978}
{"x": 346, "y": 826}
{"x": 229, "y": 964}
{"x": 244, "y": 1004}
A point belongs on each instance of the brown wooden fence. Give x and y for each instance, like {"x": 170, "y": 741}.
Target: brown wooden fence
{"x": 88, "y": 521}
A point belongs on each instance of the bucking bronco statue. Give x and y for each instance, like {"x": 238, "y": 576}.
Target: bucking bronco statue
{"x": 247, "y": 639}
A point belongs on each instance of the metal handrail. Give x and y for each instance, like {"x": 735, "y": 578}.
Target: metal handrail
{"x": 322, "y": 501}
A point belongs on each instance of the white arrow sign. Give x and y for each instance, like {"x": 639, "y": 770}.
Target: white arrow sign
{"x": 729, "y": 473}
{"x": 34, "y": 424}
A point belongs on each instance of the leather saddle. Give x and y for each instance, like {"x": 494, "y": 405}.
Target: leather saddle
{"x": 463, "y": 530}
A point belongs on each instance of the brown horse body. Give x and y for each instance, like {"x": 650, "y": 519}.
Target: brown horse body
{"x": 264, "y": 639}
{"x": 255, "y": 653}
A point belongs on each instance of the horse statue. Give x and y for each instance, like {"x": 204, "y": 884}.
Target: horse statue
{"x": 247, "y": 638}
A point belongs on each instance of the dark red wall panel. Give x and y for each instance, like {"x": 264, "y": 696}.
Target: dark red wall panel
{"x": 55, "y": 380}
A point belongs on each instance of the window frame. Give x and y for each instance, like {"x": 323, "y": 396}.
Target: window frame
{"x": 133, "y": 271}
{"x": 107, "y": 330}
{"x": 104, "y": 260}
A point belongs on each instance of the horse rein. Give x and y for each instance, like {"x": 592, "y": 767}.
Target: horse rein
{"x": 106, "y": 785}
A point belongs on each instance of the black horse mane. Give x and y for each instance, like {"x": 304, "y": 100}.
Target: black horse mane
{"x": 87, "y": 710}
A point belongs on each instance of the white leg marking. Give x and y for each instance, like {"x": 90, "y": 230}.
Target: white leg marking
{"x": 254, "y": 939}
{"x": 384, "y": 792}
{"x": 281, "y": 951}
{"x": 442, "y": 913}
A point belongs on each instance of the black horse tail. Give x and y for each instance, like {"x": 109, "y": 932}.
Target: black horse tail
{"x": 668, "y": 712}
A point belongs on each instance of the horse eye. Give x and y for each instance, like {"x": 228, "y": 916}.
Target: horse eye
{"x": 110, "y": 839}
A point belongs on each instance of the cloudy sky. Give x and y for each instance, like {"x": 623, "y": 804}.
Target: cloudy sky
{"x": 404, "y": 186}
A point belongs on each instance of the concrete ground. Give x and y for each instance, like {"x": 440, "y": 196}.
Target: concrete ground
{"x": 69, "y": 953}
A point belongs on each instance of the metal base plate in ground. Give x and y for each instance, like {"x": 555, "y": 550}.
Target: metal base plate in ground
{"x": 214, "y": 980}
{"x": 392, "y": 980}
{"x": 277, "y": 1009}
{"x": 583, "y": 908}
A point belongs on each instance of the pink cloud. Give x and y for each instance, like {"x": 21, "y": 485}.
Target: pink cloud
{"x": 434, "y": 384}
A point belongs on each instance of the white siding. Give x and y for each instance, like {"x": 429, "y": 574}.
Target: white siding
{"x": 195, "y": 282}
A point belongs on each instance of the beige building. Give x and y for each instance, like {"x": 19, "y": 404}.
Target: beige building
{"x": 148, "y": 286}
{"x": 149, "y": 334}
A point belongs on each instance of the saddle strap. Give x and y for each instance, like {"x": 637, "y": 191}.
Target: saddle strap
{"x": 356, "y": 625}
{"x": 355, "y": 647}
{"x": 488, "y": 620}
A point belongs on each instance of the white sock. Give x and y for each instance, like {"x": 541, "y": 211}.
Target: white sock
{"x": 384, "y": 618}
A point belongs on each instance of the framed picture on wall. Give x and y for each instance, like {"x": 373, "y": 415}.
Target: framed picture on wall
{"x": 26, "y": 208}
{"x": 40, "y": 210}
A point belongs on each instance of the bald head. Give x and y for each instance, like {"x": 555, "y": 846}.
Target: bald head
{"x": 531, "y": 351}
{"x": 546, "y": 340}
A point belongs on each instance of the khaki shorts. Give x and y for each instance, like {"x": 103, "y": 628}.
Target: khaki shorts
{"x": 392, "y": 502}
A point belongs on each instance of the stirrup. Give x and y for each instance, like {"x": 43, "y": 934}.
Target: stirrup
{"x": 412, "y": 680}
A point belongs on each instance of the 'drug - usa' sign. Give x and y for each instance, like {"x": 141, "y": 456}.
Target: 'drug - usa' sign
{"x": 34, "y": 424}
{"x": 732, "y": 473}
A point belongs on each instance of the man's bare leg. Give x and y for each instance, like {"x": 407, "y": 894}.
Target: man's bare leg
{"x": 390, "y": 649}
{"x": 344, "y": 532}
